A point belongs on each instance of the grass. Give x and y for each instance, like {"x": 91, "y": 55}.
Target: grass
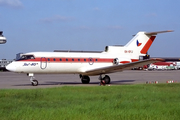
{"x": 126, "y": 102}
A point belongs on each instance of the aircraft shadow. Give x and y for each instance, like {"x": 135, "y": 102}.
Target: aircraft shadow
{"x": 91, "y": 83}
{"x": 117, "y": 82}
{"x": 122, "y": 81}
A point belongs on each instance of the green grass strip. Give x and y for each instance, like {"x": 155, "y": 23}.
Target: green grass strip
{"x": 126, "y": 102}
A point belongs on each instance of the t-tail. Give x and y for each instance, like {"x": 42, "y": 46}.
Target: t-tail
{"x": 138, "y": 46}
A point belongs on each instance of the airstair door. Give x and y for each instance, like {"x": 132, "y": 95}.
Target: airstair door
{"x": 43, "y": 63}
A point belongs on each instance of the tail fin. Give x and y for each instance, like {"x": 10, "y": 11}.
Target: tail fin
{"x": 142, "y": 41}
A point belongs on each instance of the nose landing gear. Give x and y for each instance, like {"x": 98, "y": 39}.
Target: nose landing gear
{"x": 33, "y": 80}
{"x": 34, "y": 83}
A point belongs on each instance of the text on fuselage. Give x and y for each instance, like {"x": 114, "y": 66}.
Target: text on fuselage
{"x": 30, "y": 64}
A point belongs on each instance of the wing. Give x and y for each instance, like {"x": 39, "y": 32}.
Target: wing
{"x": 121, "y": 67}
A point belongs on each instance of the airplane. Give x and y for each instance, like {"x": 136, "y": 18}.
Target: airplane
{"x": 88, "y": 63}
{"x": 2, "y": 38}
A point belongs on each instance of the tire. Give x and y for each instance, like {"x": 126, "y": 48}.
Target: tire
{"x": 107, "y": 79}
{"x": 85, "y": 79}
{"x": 35, "y": 83}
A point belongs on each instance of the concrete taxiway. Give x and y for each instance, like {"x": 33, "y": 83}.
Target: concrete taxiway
{"x": 10, "y": 80}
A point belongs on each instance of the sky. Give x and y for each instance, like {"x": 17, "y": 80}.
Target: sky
{"x": 48, "y": 25}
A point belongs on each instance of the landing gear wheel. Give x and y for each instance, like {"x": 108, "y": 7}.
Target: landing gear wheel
{"x": 85, "y": 79}
{"x": 107, "y": 79}
{"x": 103, "y": 82}
{"x": 34, "y": 83}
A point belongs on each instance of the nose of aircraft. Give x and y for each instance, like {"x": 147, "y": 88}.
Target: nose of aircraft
{"x": 11, "y": 67}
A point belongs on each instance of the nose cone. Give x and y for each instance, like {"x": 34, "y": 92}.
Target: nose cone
{"x": 11, "y": 67}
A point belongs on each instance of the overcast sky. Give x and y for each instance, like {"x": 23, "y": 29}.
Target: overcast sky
{"x": 47, "y": 25}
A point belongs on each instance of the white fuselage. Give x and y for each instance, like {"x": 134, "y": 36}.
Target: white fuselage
{"x": 67, "y": 62}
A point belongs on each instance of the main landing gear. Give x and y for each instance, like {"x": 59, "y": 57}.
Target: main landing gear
{"x": 105, "y": 78}
{"x": 85, "y": 79}
{"x": 33, "y": 80}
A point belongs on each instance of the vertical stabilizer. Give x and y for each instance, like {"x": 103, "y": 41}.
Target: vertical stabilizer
{"x": 141, "y": 42}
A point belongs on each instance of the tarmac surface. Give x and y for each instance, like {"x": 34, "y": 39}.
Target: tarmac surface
{"x": 10, "y": 80}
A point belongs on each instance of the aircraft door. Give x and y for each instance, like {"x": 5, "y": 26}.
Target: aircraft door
{"x": 43, "y": 63}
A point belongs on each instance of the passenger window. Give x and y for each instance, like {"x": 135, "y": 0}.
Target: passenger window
{"x": 78, "y": 59}
{"x": 54, "y": 59}
{"x": 84, "y": 59}
{"x": 66, "y": 59}
{"x": 60, "y": 59}
{"x": 72, "y": 59}
{"x": 48, "y": 59}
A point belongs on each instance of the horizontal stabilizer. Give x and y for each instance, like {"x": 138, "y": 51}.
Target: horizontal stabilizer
{"x": 155, "y": 33}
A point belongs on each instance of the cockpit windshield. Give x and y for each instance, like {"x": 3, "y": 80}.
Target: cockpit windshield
{"x": 26, "y": 57}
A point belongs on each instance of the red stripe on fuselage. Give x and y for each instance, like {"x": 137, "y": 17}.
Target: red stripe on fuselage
{"x": 69, "y": 60}
{"x": 76, "y": 60}
{"x": 134, "y": 60}
{"x": 123, "y": 62}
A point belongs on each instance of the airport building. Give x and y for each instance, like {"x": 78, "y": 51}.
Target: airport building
{"x": 4, "y": 63}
